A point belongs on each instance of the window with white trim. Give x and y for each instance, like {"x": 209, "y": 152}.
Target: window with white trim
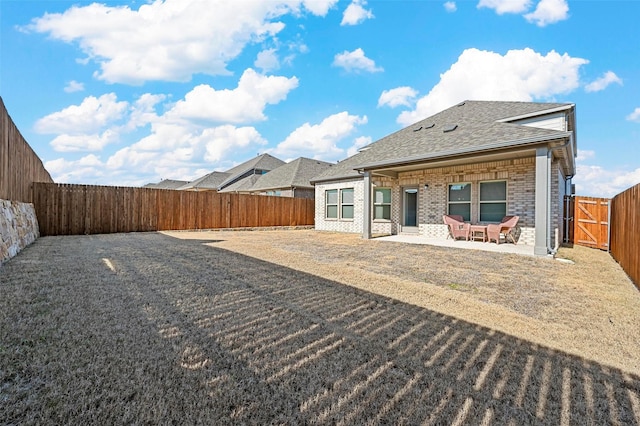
{"x": 459, "y": 202}
{"x": 331, "y": 203}
{"x": 346, "y": 203}
{"x": 382, "y": 204}
{"x": 493, "y": 201}
{"x": 339, "y": 203}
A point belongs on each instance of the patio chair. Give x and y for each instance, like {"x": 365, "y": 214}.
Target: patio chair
{"x": 505, "y": 227}
{"x": 457, "y": 227}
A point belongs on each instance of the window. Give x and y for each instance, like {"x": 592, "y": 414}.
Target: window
{"x": 382, "y": 203}
{"x": 346, "y": 203}
{"x": 493, "y": 201}
{"x": 460, "y": 200}
{"x": 339, "y": 201}
{"x": 331, "y": 201}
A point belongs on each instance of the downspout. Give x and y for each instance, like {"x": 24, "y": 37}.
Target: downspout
{"x": 552, "y": 251}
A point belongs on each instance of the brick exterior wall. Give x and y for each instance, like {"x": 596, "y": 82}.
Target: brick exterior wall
{"x": 432, "y": 199}
{"x": 354, "y": 225}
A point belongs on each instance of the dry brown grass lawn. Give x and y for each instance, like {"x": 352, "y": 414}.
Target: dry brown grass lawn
{"x": 306, "y": 327}
{"x": 589, "y": 308}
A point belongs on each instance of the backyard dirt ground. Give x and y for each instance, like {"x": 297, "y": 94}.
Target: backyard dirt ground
{"x": 306, "y": 327}
{"x": 589, "y": 308}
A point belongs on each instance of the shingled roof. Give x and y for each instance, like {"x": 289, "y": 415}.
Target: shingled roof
{"x": 261, "y": 162}
{"x": 295, "y": 174}
{"x": 207, "y": 182}
{"x": 468, "y": 128}
{"x": 166, "y": 184}
{"x": 242, "y": 185}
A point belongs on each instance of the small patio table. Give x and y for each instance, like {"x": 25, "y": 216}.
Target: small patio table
{"x": 478, "y": 231}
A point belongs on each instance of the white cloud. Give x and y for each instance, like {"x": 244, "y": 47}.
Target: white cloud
{"x": 92, "y": 142}
{"x": 223, "y": 139}
{"x": 74, "y": 86}
{"x": 546, "y": 11}
{"x": 450, "y": 6}
{"x": 404, "y": 95}
{"x": 600, "y": 84}
{"x": 519, "y": 75}
{"x": 90, "y": 116}
{"x": 174, "y": 151}
{"x": 244, "y": 104}
{"x": 585, "y": 155}
{"x": 317, "y": 7}
{"x": 355, "y": 61}
{"x": 267, "y": 60}
{"x": 179, "y": 140}
{"x": 635, "y": 115}
{"x": 358, "y": 143}
{"x": 84, "y": 170}
{"x": 595, "y": 181}
{"x": 355, "y": 13}
{"x": 319, "y": 141}
{"x": 143, "y": 111}
{"x": 506, "y": 6}
{"x": 549, "y": 12}
{"x": 169, "y": 40}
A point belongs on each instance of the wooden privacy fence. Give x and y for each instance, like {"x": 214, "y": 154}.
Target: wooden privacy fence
{"x": 86, "y": 209}
{"x": 19, "y": 164}
{"x": 625, "y": 231}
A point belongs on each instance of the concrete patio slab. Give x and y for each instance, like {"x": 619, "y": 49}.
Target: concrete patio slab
{"x": 461, "y": 244}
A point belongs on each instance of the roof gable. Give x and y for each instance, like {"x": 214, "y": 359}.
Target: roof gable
{"x": 261, "y": 162}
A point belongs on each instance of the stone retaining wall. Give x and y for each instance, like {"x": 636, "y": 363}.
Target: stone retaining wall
{"x": 18, "y": 227}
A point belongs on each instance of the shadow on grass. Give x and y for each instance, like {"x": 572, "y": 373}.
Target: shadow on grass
{"x": 260, "y": 343}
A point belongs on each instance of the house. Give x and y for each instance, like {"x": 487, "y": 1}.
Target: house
{"x": 166, "y": 184}
{"x": 480, "y": 159}
{"x": 292, "y": 179}
{"x": 237, "y": 179}
{"x": 263, "y": 175}
{"x": 243, "y": 176}
{"x": 209, "y": 182}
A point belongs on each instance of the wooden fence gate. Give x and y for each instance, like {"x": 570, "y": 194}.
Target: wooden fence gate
{"x": 590, "y": 221}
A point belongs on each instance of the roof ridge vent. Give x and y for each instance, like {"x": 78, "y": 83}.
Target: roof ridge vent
{"x": 449, "y": 128}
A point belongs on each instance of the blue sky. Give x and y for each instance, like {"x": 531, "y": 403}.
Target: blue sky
{"x": 131, "y": 92}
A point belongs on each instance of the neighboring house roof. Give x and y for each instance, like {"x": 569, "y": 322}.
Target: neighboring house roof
{"x": 468, "y": 128}
{"x": 242, "y": 185}
{"x": 261, "y": 162}
{"x": 295, "y": 174}
{"x": 166, "y": 184}
{"x": 209, "y": 181}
